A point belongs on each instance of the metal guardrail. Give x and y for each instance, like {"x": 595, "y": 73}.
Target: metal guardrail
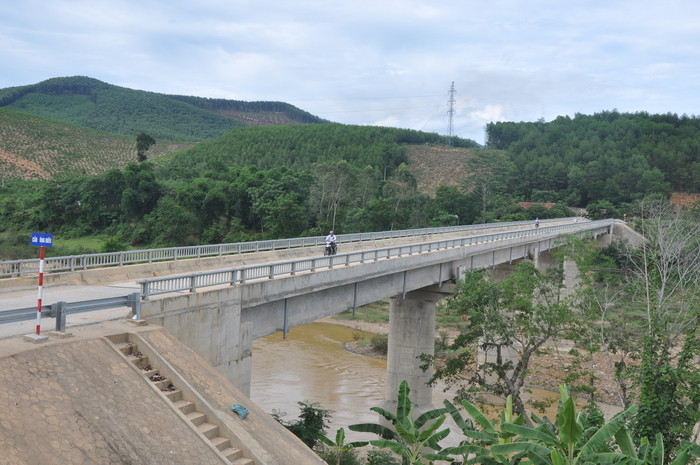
{"x": 71, "y": 263}
{"x": 192, "y": 282}
{"x": 23, "y": 314}
{"x": 60, "y": 310}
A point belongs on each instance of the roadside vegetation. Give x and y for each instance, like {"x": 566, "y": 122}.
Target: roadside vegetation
{"x": 409, "y": 439}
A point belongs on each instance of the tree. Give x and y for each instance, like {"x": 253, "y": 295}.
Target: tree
{"x": 572, "y": 439}
{"x": 666, "y": 285}
{"x": 311, "y": 424}
{"x": 477, "y": 442}
{"x": 609, "y": 324}
{"x": 399, "y": 188}
{"x": 452, "y": 201}
{"x": 488, "y": 171}
{"x": 508, "y": 321}
{"x": 333, "y": 186}
{"x": 143, "y": 143}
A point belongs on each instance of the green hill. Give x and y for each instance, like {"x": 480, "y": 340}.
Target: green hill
{"x": 91, "y": 103}
{"x": 32, "y": 147}
{"x": 298, "y": 147}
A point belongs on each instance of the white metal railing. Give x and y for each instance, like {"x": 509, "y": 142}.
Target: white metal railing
{"x": 14, "y": 268}
{"x": 193, "y": 282}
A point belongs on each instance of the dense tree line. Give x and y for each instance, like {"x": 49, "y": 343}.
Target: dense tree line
{"x": 223, "y": 105}
{"x": 609, "y": 156}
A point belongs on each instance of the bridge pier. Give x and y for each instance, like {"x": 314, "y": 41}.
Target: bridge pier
{"x": 411, "y": 333}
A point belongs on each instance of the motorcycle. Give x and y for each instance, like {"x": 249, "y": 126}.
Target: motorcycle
{"x": 331, "y": 248}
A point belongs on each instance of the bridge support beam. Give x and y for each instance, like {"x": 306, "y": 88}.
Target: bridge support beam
{"x": 411, "y": 333}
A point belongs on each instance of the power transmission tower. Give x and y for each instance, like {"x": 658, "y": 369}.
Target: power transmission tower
{"x": 450, "y": 114}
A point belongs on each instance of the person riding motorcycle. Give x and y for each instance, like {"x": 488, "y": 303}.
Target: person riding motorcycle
{"x": 331, "y": 246}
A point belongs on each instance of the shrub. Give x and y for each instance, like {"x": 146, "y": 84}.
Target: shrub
{"x": 381, "y": 457}
{"x": 380, "y": 343}
{"x": 113, "y": 245}
{"x": 330, "y": 455}
{"x": 311, "y": 424}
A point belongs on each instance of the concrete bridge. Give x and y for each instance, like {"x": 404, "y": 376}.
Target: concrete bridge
{"x": 221, "y": 321}
{"x": 261, "y": 294}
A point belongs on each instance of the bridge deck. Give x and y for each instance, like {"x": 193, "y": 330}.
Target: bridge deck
{"x": 119, "y": 281}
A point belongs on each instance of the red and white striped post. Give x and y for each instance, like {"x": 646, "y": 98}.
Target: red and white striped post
{"x": 42, "y": 240}
{"x": 41, "y": 285}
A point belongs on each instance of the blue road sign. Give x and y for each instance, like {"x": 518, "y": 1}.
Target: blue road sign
{"x": 42, "y": 239}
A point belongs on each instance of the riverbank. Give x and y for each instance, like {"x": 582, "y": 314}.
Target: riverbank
{"x": 548, "y": 369}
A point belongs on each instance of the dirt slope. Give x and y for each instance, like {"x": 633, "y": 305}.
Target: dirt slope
{"x": 433, "y": 165}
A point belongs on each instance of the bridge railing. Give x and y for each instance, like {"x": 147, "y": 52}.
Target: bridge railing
{"x": 60, "y": 310}
{"x": 71, "y": 263}
{"x": 194, "y": 281}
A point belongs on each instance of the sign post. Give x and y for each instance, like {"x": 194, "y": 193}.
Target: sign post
{"x": 43, "y": 241}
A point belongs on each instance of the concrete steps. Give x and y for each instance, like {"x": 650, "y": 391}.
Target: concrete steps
{"x": 198, "y": 419}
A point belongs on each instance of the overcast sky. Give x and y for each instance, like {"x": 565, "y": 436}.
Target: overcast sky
{"x": 374, "y": 62}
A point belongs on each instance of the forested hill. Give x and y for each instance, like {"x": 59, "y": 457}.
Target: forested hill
{"x": 91, "y": 103}
{"x": 611, "y": 156}
{"x": 300, "y": 147}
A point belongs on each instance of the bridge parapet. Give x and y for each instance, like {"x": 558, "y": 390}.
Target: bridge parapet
{"x": 77, "y": 263}
{"x": 196, "y": 281}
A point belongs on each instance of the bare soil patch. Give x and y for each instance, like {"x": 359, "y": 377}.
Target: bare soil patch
{"x": 433, "y": 165}
{"x": 26, "y": 169}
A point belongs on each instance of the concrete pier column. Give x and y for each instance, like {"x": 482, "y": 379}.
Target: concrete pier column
{"x": 245, "y": 361}
{"x": 571, "y": 279}
{"x": 411, "y": 333}
{"x": 536, "y": 256}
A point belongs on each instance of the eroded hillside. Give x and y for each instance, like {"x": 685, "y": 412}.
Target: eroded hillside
{"x": 433, "y": 165}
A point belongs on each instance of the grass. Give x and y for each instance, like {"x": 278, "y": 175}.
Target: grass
{"x": 78, "y": 245}
{"x": 16, "y": 246}
{"x": 378, "y": 312}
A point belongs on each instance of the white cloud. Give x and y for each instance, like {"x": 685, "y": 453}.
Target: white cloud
{"x": 367, "y": 62}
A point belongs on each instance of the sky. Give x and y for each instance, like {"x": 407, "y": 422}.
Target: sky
{"x": 374, "y": 62}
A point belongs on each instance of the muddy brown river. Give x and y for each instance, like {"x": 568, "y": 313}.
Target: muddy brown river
{"x": 311, "y": 365}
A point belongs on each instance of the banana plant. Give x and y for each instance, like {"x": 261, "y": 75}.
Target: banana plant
{"x": 654, "y": 454}
{"x": 408, "y": 438}
{"x": 476, "y": 447}
{"x": 339, "y": 445}
{"x": 543, "y": 445}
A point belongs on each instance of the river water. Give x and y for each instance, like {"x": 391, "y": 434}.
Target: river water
{"x": 311, "y": 365}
